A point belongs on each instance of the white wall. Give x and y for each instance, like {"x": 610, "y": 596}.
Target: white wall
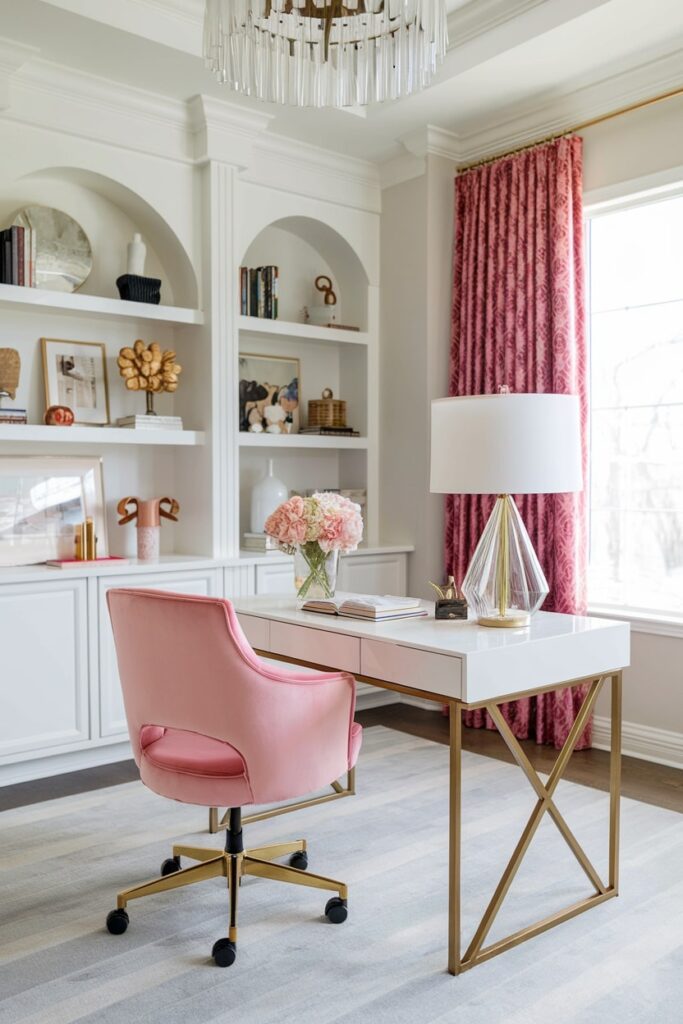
{"x": 416, "y": 261}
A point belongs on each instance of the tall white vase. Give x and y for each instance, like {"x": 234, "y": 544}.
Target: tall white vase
{"x": 137, "y": 251}
{"x": 265, "y": 498}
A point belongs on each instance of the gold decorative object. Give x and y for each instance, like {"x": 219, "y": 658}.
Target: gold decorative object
{"x": 324, "y": 284}
{"x": 147, "y": 368}
{"x": 448, "y": 591}
{"x": 10, "y": 367}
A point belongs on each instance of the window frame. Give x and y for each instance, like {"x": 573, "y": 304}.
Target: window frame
{"x": 596, "y": 203}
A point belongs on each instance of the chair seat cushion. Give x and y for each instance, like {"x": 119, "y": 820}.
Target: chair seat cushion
{"x": 179, "y": 751}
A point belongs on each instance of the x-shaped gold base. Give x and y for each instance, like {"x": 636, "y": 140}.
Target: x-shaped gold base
{"x": 476, "y": 952}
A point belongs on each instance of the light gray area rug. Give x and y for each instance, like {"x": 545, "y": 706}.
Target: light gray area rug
{"x": 62, "y": 862}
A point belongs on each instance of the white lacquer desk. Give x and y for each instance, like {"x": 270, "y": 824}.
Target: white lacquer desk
{"x": 468, "y": 666}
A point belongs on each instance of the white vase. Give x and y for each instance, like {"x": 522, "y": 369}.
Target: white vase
{"x": 137, "y": 251}
{"x": 265, "y": 498}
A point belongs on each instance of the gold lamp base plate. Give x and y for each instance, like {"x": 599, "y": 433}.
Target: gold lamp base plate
{"x": 511, "y": 620}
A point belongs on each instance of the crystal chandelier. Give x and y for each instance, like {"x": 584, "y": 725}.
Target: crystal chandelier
{"x": 325, "y": 53}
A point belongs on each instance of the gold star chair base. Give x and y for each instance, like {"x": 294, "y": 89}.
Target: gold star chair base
{"x": 233, "y": 864}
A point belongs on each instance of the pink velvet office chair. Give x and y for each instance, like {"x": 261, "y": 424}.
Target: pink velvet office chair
{"x": 212, "y": 724}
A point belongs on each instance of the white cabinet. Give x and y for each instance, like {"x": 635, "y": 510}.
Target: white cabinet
{"x": 238, "y": 581}
{"x": 112, "y": 720}
{"x": 275, "y": 578}
{"x": 373, "y": 574}
{"x": 44, "y": 651}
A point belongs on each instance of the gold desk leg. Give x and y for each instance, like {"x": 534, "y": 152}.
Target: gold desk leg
{"x": 454, "y": 837}
{"x": 615, "y": 782}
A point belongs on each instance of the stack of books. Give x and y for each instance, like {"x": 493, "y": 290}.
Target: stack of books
{"x": 13, "y": 415}
{"x": 143, "y": 422}
{"x": 331, "y": 431}
{"x": 368, "y": 606}
{"x": 259, "y": 292}
{"x": 18, "y": 256}
{"x": 259, "y": 542}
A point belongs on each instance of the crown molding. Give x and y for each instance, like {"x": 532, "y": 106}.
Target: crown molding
{"x": 299, "y": 167}
{"x": 13, "y": 56}
{"x": 224, "y": 131}
{"x": 472, "y": 20}
{"x": 432, "y": 141}
{"x": 521, "y": 126}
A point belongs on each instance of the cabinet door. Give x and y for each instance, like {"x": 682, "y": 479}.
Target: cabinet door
{"x": 44, "y": 652}
{"x": 112, "y": 716}
{"x": 275, "y": 579}
{"x": 373, "y": 574}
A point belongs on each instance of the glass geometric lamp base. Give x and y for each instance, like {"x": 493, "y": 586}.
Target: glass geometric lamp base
{"x": 504, "y": 583}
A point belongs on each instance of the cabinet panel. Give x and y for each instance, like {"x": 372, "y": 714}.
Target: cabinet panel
{"x": 275, "y": 579}
{"x": 112, "y": 716}
{"x": 238, "y": 581}
{"x": 44, "y": 649}
{"x": 373, "y": 574}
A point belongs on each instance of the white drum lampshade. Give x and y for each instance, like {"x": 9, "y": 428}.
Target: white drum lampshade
{"x": 505, "y": 444}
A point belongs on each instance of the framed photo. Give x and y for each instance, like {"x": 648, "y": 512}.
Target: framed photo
{"x": 42, "y": 499}
{"x": 76, "y": 376}
{"x": 269, "y": 391}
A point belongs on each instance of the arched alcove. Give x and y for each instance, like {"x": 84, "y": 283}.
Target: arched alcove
{"x": 303, "y": 248}
{"x": 109, "y": 213}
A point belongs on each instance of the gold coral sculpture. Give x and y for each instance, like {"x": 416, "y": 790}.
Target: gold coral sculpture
{"x": 147, "y": 368}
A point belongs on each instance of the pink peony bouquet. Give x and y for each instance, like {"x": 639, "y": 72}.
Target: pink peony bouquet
{"x": 315, "y": 530}
{"x": 329, "y": 520}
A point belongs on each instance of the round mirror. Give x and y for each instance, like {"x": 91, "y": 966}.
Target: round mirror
{"x": 63, "y": 253}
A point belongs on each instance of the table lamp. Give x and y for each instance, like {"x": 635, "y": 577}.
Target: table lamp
{"x": 505, "y": 444}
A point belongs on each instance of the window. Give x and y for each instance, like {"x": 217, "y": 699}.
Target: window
{"x": 636, "y": 344}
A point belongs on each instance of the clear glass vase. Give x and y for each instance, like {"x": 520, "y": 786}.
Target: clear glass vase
{"x": 315, "y": 572}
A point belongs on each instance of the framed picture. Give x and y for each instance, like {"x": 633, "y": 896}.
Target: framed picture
{"x": 76, "y": 376}
{"x": 269, "y": 394}
{"x": 42, "y": 499}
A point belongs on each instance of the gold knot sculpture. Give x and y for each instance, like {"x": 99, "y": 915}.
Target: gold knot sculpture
{"x": 147, "y": 368}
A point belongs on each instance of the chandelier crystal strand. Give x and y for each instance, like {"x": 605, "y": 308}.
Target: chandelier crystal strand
{"x": 325, "y": 53}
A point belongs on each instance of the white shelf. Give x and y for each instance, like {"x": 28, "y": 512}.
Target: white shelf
{"x": 27, "y": 433}
{"x": 303, "y": 332}
{"x": 247, "y": 440}
{"x": 35, "y": 299}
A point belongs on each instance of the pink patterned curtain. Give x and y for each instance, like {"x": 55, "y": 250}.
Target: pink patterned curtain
{"x": 518, "y": 319}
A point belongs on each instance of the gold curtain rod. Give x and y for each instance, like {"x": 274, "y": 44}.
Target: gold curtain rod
{"x": 573, "y": 130}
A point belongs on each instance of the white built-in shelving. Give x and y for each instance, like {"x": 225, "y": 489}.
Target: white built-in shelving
{"x": 34, "y": 433}
{"x": 295, "y": 441}
{"x": 301, "y": 332}
{"x": 93, "y": 306}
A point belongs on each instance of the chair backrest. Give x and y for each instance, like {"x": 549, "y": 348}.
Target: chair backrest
{"x": 185, "y": 663}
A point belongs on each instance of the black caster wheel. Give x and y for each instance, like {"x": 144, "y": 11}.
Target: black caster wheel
{"x": 170, "y": 866}
{"x": 117, "y": 921}
{"x": 224, "y": 952}
{"x": 336, "y": 910}
{"x": 299, "y": 860}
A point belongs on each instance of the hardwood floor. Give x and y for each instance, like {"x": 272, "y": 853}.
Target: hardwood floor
{"x": 641, "y": 780}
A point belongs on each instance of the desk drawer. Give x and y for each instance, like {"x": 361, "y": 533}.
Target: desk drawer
{"x": 256, "y": 631}
{"x": 421, "y": 670}
{"x": 317, "y": 645}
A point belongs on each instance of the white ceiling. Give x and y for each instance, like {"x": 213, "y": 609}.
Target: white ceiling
{"x": 505, "y": 57}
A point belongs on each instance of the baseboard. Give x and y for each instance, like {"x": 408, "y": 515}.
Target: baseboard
{"x": 643, "y": 741}
{"x": 58, "y": 764}
{"x": 368, "y": 696}
{"x": 662, "y": 746}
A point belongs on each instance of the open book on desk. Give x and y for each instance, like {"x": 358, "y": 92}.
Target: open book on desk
{"x": 367, "y": 606}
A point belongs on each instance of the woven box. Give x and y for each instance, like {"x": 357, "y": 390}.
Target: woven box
{"x": 327, "y": 411}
